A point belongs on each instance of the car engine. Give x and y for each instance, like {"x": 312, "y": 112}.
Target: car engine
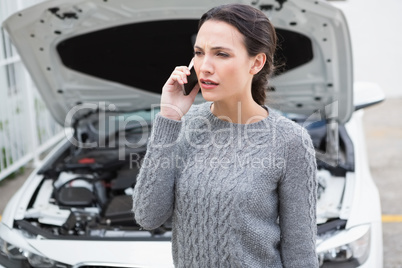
{"x": 87, "y": 192}
{"x": 88, "y": 195}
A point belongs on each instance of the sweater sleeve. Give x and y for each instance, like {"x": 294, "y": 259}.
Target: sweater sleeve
{"x": 297, "y": 202}
{"x": 153, "y": 196}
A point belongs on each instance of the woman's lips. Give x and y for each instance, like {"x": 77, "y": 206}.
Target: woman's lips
{"x": 208, "y": 84}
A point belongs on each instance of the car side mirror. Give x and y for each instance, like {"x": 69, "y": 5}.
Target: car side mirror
{"x": 366, "y": 94}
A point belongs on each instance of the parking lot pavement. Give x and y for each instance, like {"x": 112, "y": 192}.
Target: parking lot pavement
{"x": 383, "y": 127}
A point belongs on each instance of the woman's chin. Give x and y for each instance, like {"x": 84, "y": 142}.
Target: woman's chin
{"x": 209, "y": 96}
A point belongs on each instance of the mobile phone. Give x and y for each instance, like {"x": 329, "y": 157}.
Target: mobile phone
{"x": 192, "y": 80}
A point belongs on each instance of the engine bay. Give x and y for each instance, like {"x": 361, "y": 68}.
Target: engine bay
{"x": 89, "y": 195}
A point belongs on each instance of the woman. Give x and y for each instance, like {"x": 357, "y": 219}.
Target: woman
{"x": 238, "y": 178}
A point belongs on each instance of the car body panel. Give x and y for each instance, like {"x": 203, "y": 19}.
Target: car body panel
{"x": 130, "y": 253}
{"x": 136, "y": 254}
{"x": 365, "y": 205}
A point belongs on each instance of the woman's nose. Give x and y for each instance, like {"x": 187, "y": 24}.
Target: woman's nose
{"x": 206, "y": 65}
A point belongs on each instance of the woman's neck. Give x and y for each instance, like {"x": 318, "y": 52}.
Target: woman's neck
{"x": 239, "y": 112}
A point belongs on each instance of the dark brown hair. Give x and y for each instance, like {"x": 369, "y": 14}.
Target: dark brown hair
{"x": 259, "y": 37}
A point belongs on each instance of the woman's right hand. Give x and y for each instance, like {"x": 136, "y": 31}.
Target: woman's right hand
{"x": 174, "y": 104}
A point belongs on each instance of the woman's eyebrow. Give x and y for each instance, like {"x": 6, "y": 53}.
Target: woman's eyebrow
{"x": 216, "y": 48}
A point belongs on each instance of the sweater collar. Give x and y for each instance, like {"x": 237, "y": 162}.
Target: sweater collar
{"x": 206, "y": 111}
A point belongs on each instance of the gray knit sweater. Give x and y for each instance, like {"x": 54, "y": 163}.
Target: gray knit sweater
{"x": 240, "y": 195}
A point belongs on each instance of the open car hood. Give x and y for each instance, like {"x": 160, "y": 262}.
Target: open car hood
{"x": 121, "y": 52}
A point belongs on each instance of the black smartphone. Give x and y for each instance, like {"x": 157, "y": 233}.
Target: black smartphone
{"x": 192, "y": 80}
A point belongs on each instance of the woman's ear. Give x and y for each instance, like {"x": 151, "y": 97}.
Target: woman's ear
{"x": 258, "y": 63}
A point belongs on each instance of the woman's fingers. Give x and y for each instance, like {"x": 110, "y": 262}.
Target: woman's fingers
{"x": 181, "y": 73}
{"x": 179, "y": 76}
{"x": 183, "y": 69}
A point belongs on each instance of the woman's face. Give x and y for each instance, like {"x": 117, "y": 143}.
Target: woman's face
{"x": 222, "y": 63}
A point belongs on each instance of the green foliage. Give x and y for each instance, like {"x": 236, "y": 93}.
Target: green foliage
{"x": 4, "y": 157}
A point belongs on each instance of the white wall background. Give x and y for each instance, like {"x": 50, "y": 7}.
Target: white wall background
{"x": 376, "y": 32}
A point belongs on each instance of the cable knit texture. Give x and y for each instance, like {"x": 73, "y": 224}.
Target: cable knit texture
{"x": 240, "y": 195}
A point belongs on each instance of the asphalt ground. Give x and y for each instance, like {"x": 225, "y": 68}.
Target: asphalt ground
{"x": 383, "y": 128}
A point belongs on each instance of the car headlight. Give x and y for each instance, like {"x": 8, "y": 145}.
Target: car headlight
{"x": 347, "y": 248}
{"x": 12, "y": 256}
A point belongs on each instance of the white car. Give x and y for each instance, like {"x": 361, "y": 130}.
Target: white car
{"x": 100, "y": 66}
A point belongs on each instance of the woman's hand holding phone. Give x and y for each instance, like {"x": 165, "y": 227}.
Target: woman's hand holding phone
{"x": 174, "y": 103}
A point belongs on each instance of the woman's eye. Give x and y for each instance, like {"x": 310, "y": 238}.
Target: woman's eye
{"x": 221, "y": 54}
{"x": 197, "y": 53}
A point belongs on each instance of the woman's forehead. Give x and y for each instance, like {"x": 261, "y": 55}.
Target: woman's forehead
{"x": 215, "y": 33}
